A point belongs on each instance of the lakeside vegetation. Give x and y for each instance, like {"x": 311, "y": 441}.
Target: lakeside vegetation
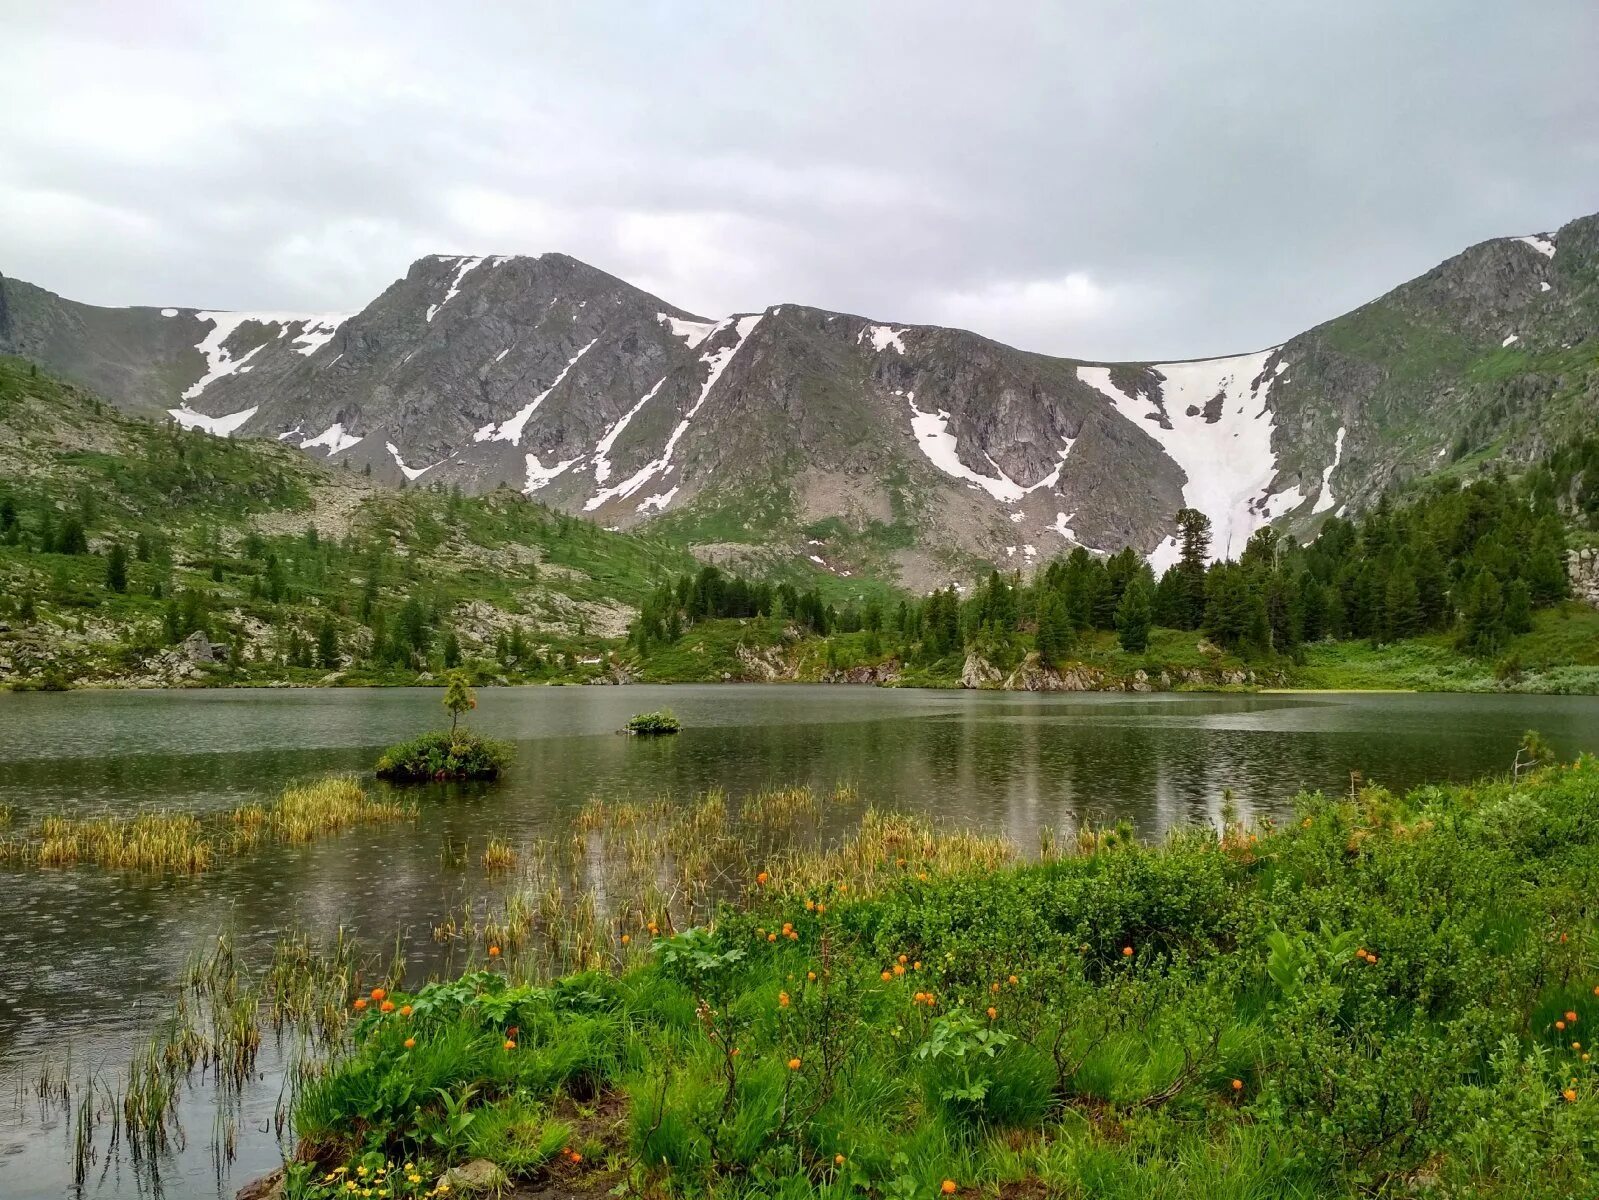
{"x": 1386, "y": 995}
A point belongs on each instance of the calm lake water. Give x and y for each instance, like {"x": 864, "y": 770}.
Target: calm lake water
{"x": 91, "y": 958}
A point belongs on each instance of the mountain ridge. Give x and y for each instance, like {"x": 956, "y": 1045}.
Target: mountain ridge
{"x": 913, "y": 450}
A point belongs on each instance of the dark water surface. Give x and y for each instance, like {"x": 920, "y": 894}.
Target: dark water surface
{"x": 89, "y": 958}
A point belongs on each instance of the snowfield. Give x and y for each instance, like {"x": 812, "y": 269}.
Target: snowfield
{"x": 216, "y": 426}
{"x": 1229, "y": 462}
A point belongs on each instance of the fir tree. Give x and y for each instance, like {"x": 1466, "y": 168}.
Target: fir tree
{"x": 1134, "y": 614}
{"x": 116, "y": 568}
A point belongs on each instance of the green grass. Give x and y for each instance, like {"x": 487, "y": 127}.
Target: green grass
{"x": 1386, "y": 988}
{"x": 1560, "y": 654}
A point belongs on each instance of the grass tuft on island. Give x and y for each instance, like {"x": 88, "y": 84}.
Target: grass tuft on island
{"x": 1388, "y": 995}
{"x": 444, "y": 755}
{"x": 653, "y": 724}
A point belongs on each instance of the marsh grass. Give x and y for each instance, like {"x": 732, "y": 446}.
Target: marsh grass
{"x": 498, "y": 856}
{"x": 174, "y": 843}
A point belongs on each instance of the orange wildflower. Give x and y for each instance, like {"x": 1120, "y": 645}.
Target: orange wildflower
{"x": 793, "y": 1064}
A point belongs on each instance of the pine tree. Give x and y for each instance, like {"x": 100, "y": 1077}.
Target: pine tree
{"x": 1518, "y": 607}
{"x": 1482, "y": 629}
{"x": 116, "y": 568}
{"x": 1134, "y": 615}
{"x": 1193, "y": 532}
{"x": 1054, "y": 636}
{"x": 1402, "y": 616}
{"x": 327, "y": 644}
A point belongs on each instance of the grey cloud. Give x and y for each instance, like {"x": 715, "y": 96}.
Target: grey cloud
{"x": 1157, "y": 180}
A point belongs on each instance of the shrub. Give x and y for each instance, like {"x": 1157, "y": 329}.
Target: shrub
{"x": 651, "y": 724}
{"x": 444, "y": 755}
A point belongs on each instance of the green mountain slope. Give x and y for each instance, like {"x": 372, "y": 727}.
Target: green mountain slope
{"x": 304, "y": 573}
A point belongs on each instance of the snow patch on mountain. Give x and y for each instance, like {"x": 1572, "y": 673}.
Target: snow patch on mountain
{"x": 1325, "y": 500}
{"x": 464, "y": 264}
{"x": 408, "y": 472}
{"x": 717, "y": 361}
{"x": 318, "y": 332}
{"x": 216, "y": 426}
{"x": 658, "y": 501}
{"x": 1229, "y": 460}
{"x": 511, "y": 430}
{"x": 1164, "y": 556}
{"x": 539, "y": 476}
{"x": 169, "y": 312}
{"x": 931, "y": 430}
{"x": 602, "y": 448}
{"x": 334, "y": 438}
{"x": 315, "y": 329}
{"x": 883, "y": 336}
{"x": 692, "y": 332}
{"x": 1541, "y": 242}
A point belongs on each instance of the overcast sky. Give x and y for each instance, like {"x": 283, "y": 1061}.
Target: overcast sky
{"x": 1123, "y": 179}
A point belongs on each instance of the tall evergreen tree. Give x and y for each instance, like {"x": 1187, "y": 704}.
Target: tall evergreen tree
{"x": 1135, "y": 615}
{"x": 116, "y": 568}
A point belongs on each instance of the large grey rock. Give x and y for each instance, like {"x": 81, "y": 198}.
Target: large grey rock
{"x": 478, "y": 1177}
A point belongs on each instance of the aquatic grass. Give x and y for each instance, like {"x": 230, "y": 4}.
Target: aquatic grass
{"x": 498, "y": 856}
{"x": 176, "y": 843}
{"x": 309, "y": 811}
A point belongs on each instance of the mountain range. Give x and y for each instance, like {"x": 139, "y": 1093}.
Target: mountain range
{"x": 909, "y": 451}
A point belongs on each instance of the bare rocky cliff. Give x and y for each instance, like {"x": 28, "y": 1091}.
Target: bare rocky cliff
{"x": 866, "y": 446}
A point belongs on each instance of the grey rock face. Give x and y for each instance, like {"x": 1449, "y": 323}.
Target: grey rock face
{"x": 551, "y": 377}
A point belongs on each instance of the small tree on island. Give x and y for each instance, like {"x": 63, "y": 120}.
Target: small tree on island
{"x": 458, "y": 698}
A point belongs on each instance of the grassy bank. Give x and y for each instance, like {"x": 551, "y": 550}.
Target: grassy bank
{"x": 1559, "y": 655}
{"x": 1389, "y": 995}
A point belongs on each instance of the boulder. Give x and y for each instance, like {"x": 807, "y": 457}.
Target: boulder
{"x": 268, "y": 1187}
{"x": 978, "y": 672}
{"x": 477, "y": 1177}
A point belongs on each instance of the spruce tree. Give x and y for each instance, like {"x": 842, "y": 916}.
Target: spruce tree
{"x": 1054, "y": 630}
{"x": 327, "y": 644}
{"x": 1134, "y": 615}
{"x": 116, "y": 568}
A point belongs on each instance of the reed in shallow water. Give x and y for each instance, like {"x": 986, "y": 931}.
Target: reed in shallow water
{"x": 176, "y": 843}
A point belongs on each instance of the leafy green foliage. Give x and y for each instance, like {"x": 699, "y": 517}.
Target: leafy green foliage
{"x": 448, "y": 754}
{"x": 654, "y": 723}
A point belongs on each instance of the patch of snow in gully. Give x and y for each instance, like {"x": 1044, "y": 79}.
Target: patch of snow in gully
{"x": 1325, "y": 500}
{"x": 1229, "y": 462}
{"x": 511, "y": 430}
{"x": 717, "y": 361}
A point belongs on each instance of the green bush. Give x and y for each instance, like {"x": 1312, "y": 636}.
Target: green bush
{"x": 444, "y": 755}
{"x": 654, "y": 723}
